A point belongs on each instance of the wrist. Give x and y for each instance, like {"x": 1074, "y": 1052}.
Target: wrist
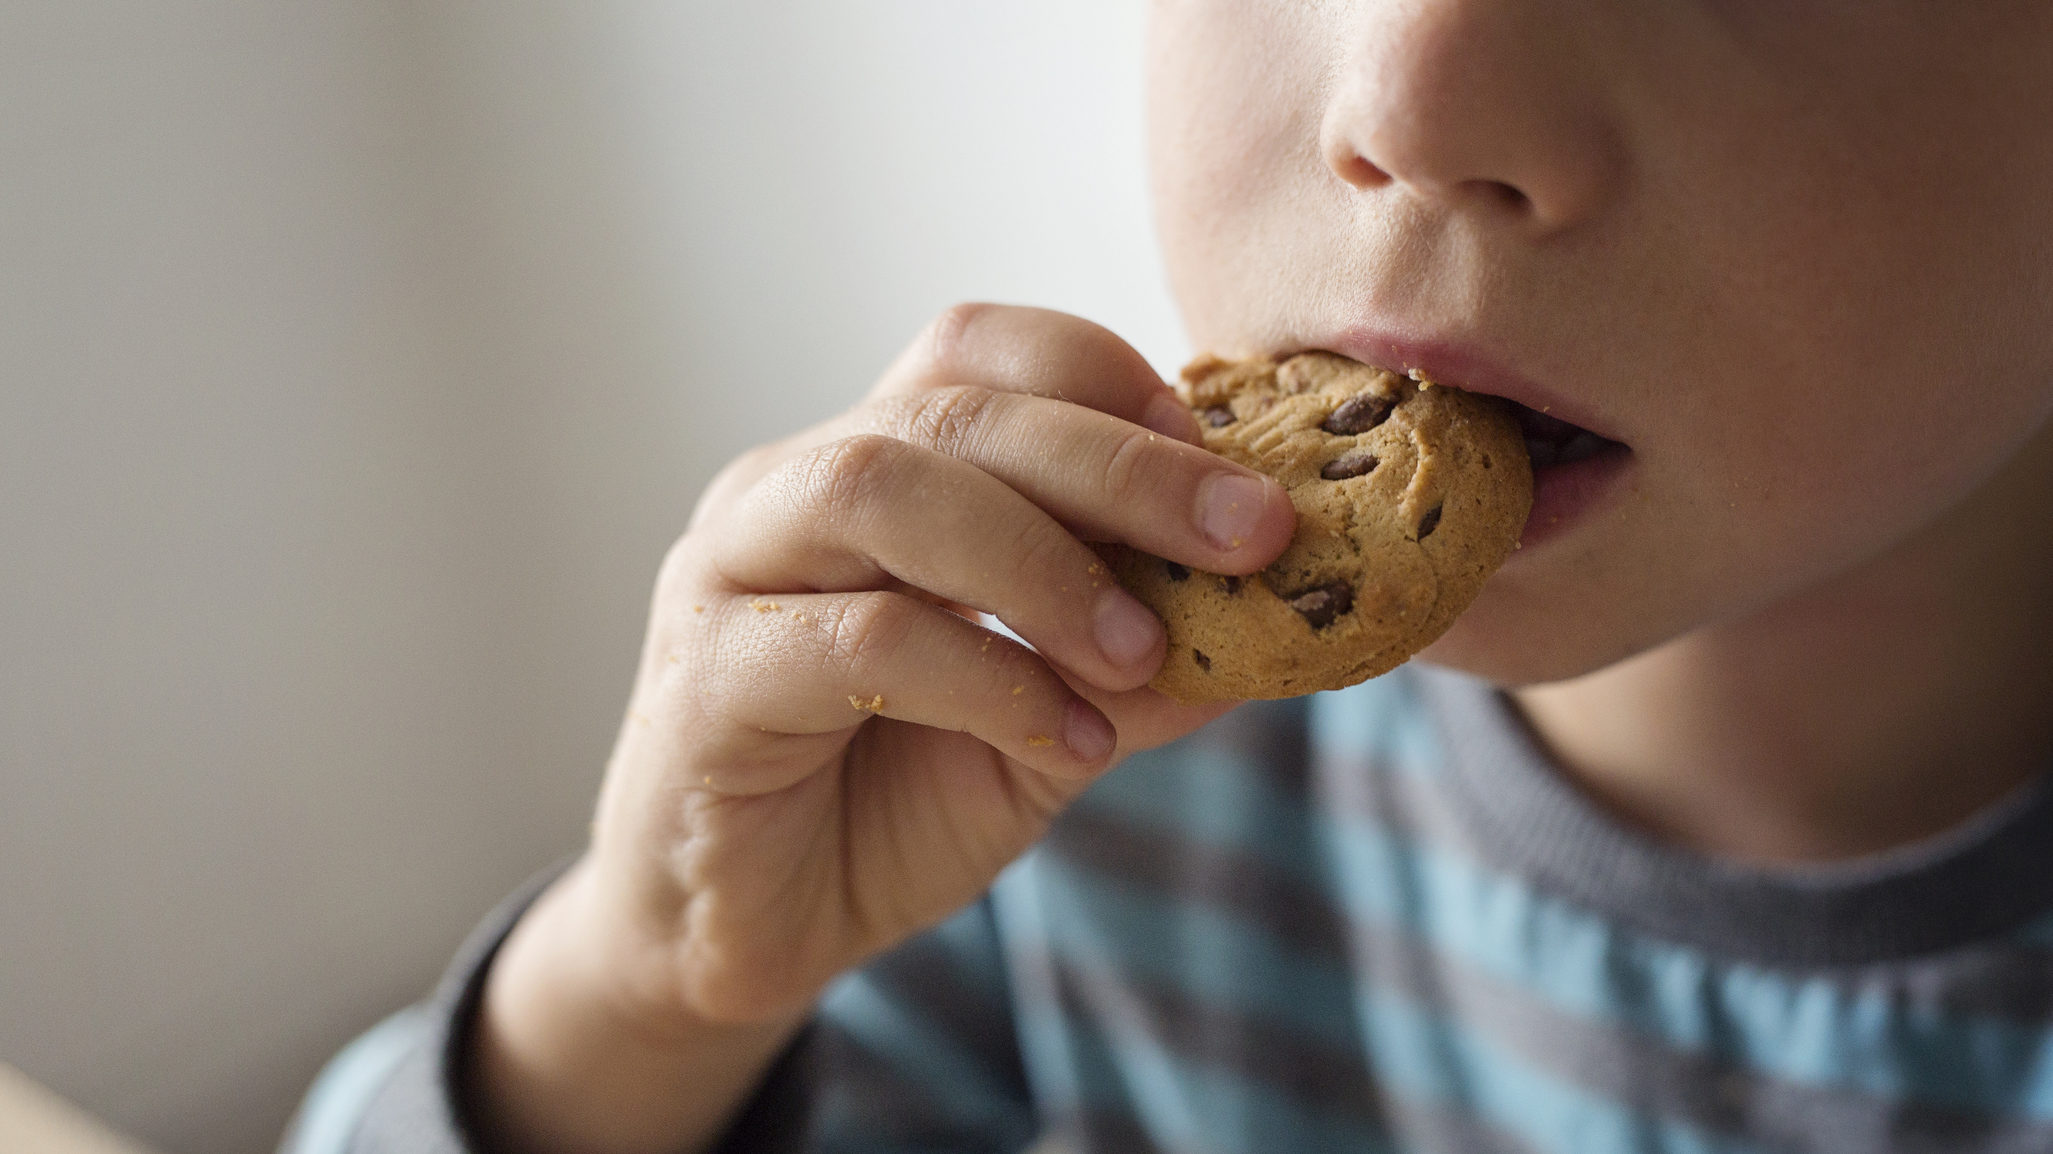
{"x": 579, "y": 1047}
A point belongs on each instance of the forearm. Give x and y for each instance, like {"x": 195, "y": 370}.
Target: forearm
{"x": 564, "y": 1064}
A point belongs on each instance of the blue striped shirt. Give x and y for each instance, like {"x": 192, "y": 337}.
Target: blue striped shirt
{"x": 1378, "y": 920}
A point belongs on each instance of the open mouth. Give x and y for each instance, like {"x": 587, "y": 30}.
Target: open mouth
{"x": 1574, "y": 470}
{"x": 1551, "y": 441}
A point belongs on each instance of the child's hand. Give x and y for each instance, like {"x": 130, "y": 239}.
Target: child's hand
{"x": 821, "y": 756}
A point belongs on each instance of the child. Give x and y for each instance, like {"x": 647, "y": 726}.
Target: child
{"x": 1748, "y": 853}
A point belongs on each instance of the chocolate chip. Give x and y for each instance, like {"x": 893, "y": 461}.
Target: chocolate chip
{"x": 1361, "y": 412}
{"x": 1428, "y": 523}
{"x": 1230, "y": 584}
{"x": 1354, "y": 464}
{"x": 1321, "y": 605}
{"x": 1176, "y": 572}
{"x": 1204, "y": 662}
{"x": 1218, "y": 416}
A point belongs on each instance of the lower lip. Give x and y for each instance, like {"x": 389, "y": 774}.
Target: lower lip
{"x": 1565, "y": 494}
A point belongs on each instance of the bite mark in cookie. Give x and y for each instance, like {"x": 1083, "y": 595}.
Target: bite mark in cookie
{"x": 1406, "y": 502}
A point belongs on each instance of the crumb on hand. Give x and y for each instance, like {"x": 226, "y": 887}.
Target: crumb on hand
{"x": 1037, "y": 740}
{"x": 873, "y": 705}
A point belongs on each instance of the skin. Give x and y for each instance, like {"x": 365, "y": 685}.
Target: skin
{"x": 1794, "y": 257}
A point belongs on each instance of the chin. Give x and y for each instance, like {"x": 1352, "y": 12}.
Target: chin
{"x": 1512, "y": 646}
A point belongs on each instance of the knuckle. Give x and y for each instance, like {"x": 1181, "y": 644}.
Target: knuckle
{"x": 844, "y": 476}
{"x": 729, "y": 485}
{"x": 682, "y": 576}
{"x": 1100, "y": 347}
{"x": 1127, "y": 474}
{"x": 944, "y": 419}
{"x": 679, "y": 561}
{"x": 867, "y": 627}
{"x": 729, "y": 676}
{"x": 946, "y": 347}
{"x": 1049, "y": 555}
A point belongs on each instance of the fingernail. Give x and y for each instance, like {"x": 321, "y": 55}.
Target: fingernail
{"x": 1229, "y": 508}
{"x": 1171, "y": 418}
{"x": 1086, "y": 732}
{"x": 1126, "y": 631}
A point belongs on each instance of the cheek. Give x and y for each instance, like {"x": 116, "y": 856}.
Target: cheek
{"x": 1868, "y": 344}
{"x": 1834, "y": 358}
{"x": 1800, "y": 420}
{"x": 1770, "y": 487}
{"x": 1234, "y": 92}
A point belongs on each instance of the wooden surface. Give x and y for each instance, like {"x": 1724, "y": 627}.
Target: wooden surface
{"x": 35, "y": 1121}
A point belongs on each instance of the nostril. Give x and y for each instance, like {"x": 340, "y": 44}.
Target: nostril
{"x": 1508, "y": 195}
{"x": 1347, "y": 162}
{"x": 1360, "y": 173}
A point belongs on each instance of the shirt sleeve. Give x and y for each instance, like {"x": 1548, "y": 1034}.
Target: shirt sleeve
{"x": 914, "y": 1052}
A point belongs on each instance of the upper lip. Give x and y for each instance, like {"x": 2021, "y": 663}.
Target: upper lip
{"x": 1462, "y": 366}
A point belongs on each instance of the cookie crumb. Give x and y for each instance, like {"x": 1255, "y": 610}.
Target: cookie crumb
{"x": 1018, "y": 689}
{"x": 698, "y": 609}
{"x": 1037, "y": 740}
{"x": 873, "y": 705}
{"x": 762, "y": 606}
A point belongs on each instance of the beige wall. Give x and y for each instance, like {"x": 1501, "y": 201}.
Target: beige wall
{"x": 360, "y": 360}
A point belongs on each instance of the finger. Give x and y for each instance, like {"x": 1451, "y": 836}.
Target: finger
{"x": 1004, "y": 348}
{"x": 861, "y": 510}
{"x": 1146, "y": 718}
{"x": 1041, "y": 353}
{"x": 826, "y": 662}
{"x": 1103, "y": 477}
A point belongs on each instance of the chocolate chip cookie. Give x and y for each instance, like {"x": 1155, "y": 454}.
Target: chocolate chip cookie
{"x": 1408, "y": 496}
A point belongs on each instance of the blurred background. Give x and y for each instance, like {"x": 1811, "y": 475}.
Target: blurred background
{"x": 360, "y": 361}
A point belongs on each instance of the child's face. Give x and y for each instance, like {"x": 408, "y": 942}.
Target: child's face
{"x": 1796, "y": 258}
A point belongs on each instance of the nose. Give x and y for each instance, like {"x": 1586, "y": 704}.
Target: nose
{"x": 1490, "y": 107}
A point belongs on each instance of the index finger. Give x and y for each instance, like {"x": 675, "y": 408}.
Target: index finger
{"x": 1042, "y": 353}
